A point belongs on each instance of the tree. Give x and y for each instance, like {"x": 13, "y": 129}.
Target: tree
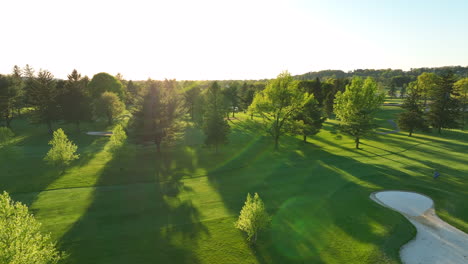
{"x": 42, "y": 94}
{"x": 403, "y": 91}
{"x": 445, "y": 107}
{"x": 278, "y": 104}
{"x": 356, "y": 107}
{"x": 159, "y": 112}
{"x": 21, "y": 238}
{"x": 413, "y": 118}
{"x": 310, "y": 118}
{"x": 117, "y": 140}
{"x": 392, "y": 90}
{"x": 461, "y": 87}
{"x": 191, "y": 97}
{"x": 232, "y": 97}
{"x": 109, "y": 106}
{"x": 253, "y": 217}
{"x": 7, "y": 97}
{"x": 62, "y": 151}
{"x": 215, "y": 127}
{"x": 427, "y": 82}
{"x": 104, "y": 82}
{"x": 74, "y": 100}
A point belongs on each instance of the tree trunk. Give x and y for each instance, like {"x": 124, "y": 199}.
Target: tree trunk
{"x": 276, "y": 142}
{"x": 251, "y": 116}
{"x": 440, "y": 130}
{"x": 305, "y": 138}
{"x": 357, "y": 142}
{"x": 8, "y": 121}
{"x": 410, "y": 133}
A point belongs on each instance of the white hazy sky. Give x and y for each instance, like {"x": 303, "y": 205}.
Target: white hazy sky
{"x": 239, "y": 39}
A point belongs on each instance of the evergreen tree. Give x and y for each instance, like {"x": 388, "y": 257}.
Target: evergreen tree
{"x": 445, "y": 107}
{"x": 117, "y": 140}
{"x": 75, "y": 101}
{"x": 356, "y": 107}
{"x": 215, "y": 127}
{"x": 253, "y": 217}
{"x": 42, "y": 94}
{"x": 413, "y": 118}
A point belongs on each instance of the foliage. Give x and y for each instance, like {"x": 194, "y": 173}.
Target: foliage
{"x": 445, "y": 107}
{"x": 413, "y": 118}
{"x": 461, "y": 88}
{"x": 253, "y": 217}
{"x": 157, "y": 115}
{"x": 231, "y": 96}
{"x": 215, "y": 127}
{"x": 75, "y": 101}
{"x": 191, "y": 97}
{"x": 356, "y": 107}
{"x": 104, "y": 82}
{"x": 62, "y": 151}
{"x": 427, "y": 82}
{"x": 109, "y": 105}
{"x": 10, "y": 88}
{"x": 42, "y": 94}
{"x": 278, "y": 104}
{"x": 118, "y": 137}
{"x": 21, "y": 239}
{"x": 310, "y": 118}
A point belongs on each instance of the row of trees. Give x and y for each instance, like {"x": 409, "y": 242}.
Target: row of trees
{"x": 435, "y": 100}
{"x": 74, "y": 100}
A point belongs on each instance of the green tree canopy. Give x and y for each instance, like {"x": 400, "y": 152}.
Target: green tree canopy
{"x": 108, "y": 105}
{"x": 413, "y": 118}
{"x": 104, "y": 82}
{"x": 356, "y": 107}
{"x": 461, "y": 88}
{"x": 21, "y": 239}
{"x": 278, "y": 104}
{"x": 63, "y": 151}
{"x": 253, "y": 217}
{"x": 215, "y": 127}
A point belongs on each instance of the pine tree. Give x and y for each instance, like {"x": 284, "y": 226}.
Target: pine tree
{"x": 215, "y": 127}
{"x": 75, "y": 101}
{"x": 253, "y": 217}
{"x": 413, "y": 118}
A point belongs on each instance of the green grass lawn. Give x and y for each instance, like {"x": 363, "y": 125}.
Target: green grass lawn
{"x": 180, "y": 206}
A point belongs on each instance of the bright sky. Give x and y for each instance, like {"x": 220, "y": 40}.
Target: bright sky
{"x": 236, "y": 39}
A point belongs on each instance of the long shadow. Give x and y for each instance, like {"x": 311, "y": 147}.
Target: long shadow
{"x": 135, "y": 215}
{"x": 319, "y": 198}
{"x": 27, "y": 174}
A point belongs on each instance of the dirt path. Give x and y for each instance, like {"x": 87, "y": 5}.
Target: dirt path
{"x": 435, "y": 241}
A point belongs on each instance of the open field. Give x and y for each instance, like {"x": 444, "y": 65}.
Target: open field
{"x": 179, "y": 206}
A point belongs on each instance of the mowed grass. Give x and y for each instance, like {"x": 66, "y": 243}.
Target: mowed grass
{"x": 179, "y": 206}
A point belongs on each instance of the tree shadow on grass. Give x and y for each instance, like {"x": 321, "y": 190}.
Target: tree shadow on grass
{"x": 136, "y": 216}
{"x": 321, "y": 205}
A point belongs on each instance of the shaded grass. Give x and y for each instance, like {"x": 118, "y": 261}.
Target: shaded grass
{"x": 136, "y": 206}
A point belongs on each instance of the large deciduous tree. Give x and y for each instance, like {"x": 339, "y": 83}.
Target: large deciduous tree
{"x": 278, "y": 104}
{"x": 413, "y": 118}
{"x": 310, "y": 118}
{"x": 445, "y": 107}
{"x": 215, "y": 127}
{"x": 104, "y": 82}
{"x": 21, "y": 238}
{"x": 461, "y": 87}
{"x": 356, "y": 107}
{"x": 108, "y": 105}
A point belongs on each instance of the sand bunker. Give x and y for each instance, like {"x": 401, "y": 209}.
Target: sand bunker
{"x": 436, "y": 241}
{"x": 103, "y": 134}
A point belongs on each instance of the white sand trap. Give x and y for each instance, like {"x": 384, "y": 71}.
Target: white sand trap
{"x": 436, "y": 241}
{"x": 103, "y": 134}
